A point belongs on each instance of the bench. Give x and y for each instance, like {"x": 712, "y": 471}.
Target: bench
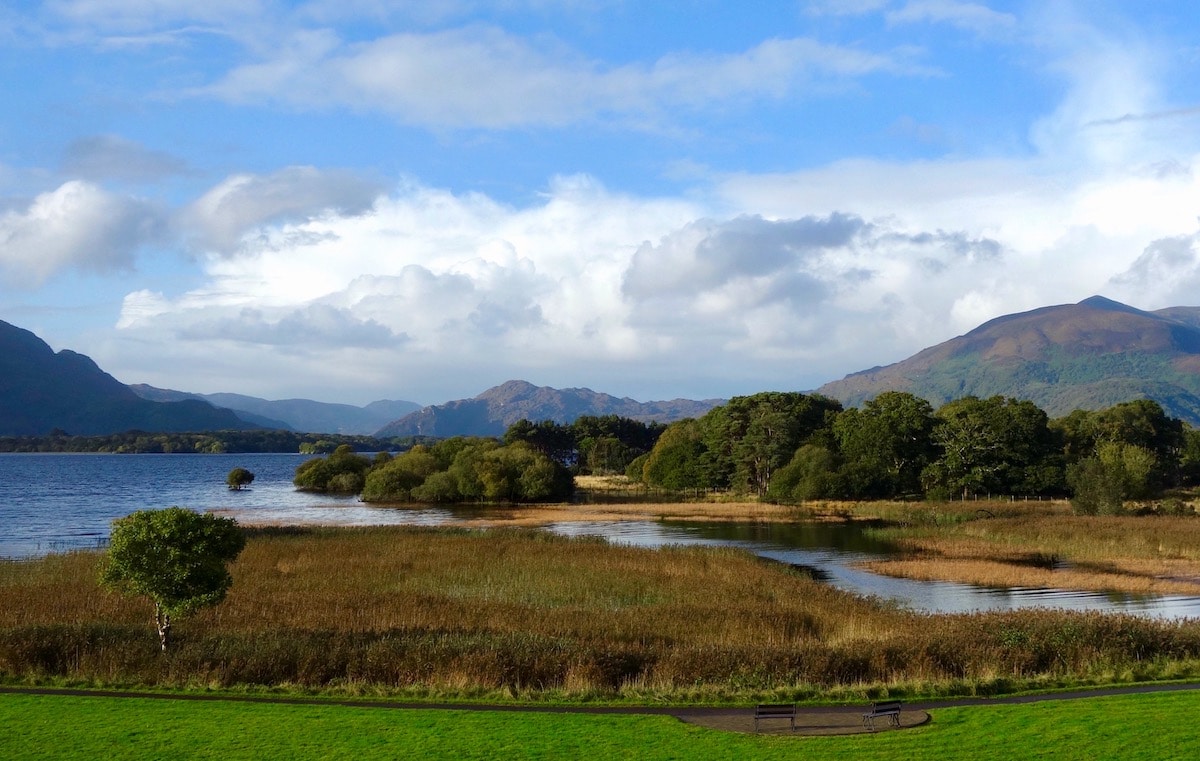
{"x": 888, "y": 708}
{"x": 775, "y": 711}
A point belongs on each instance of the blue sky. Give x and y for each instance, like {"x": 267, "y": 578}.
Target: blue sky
{"x": 350, "y": 200}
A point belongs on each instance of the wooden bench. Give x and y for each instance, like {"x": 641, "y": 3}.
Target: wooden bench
{"x": 888, "y": 708}
{"x": 775, "y": 711}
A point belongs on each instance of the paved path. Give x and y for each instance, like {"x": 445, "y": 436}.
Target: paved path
{"x": 810, "y": 720}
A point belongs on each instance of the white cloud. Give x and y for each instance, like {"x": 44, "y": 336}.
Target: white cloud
{"x": 974, "y": 17}
{"x": 77, "y": 226}
{"x": 484, "y": 77}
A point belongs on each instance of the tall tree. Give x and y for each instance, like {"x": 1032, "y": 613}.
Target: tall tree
{"x": 885, "y": 445}
{"x": 997, "y": 445}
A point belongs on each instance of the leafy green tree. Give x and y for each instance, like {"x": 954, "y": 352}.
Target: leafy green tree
{"x": 342, "y": 472}
{"x": 678, "y": 459}
{"x": 239, "y": 478}
{"x": 1117, "y": 472}
{"x": 175, "y": 557}
{"x": 885, "y": 446}
{"x": 811, "y": 474}
{"x": 555, "y": 440}
{"x": 395, "y": 480}
{"x": 750, "y": 437}
{"x": 997, "y": 445}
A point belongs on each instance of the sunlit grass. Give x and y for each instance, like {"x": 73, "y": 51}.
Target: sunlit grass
{"x": 1043, "y": 546}
{"x": 1159, "y": 726}
{"x": 527, "y": 615}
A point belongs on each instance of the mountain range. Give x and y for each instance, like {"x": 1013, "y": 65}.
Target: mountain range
{"x": 1089, "y": 355}
{"x": 302, "y": 415}
{"x": 493, "y": 411}
{"x": 41, "y": 391}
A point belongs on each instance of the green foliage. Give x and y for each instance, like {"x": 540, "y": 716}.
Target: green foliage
{"x": 886, "y": 446}
{"x": 994, "y": 445}
{"x": 465, "y": 469}
{"x": 592, "y": 444}
{"x": 1118, "y": 472}
{"x": 677, "y": 460}
{"x": 750, "y": 437}
{"x": 175, "y": 557}
{"x": 239, "y": 478}
{"x": 343, "y": 472}
{"x": 812, "y": 474}
{"x": 215, "y": 442}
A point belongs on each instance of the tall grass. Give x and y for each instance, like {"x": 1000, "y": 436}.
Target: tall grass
{"x": 459, "y": 613}
{"x": 1038, "y": 544}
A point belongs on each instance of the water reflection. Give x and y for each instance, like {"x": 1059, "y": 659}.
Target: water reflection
{"x": 829, "y": 550}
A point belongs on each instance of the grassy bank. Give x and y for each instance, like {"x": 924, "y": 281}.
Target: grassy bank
{"x": 525, "y": 615}
{"x": 1128, "y": 727}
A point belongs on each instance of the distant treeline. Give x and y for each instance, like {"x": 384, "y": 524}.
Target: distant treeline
{"x": 218, "y": 442}
{"x": 533, "y": 463}
{"x": 791, "y": 447}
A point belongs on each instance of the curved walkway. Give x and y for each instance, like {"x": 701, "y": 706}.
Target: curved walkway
{"x": 810, "y": 720}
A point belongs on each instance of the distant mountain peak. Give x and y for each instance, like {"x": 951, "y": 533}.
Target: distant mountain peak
{"x": 1107, "y": 304}
{"x": 1089, "y": 355}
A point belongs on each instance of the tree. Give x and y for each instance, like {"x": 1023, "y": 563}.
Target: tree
{"x": 885, "y": 445}
{"x": 175, "y": 557}
{"x": 239, "y": 478}
{"x": 997, "y": 445}
{"x": 750, "y": 437}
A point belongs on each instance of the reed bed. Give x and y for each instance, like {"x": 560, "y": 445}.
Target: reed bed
{"x": 1147, "y": 554}
{"x": 459, "y": 613}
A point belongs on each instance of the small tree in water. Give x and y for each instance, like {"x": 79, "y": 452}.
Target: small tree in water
{"x": 239, "y": 477}
{"x": 176, "y": 557}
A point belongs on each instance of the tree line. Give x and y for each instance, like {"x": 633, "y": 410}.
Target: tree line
{"x": 533, "y": 462}
{"x": 791, "y": 447}
{"x": 214, "y": 442}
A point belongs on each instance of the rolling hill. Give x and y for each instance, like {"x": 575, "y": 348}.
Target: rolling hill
{"x": 41, "y": 391}
{"x": 1089, "y": 355}
{"x": 304, "y": 415}
{"x": 493, "y": 411}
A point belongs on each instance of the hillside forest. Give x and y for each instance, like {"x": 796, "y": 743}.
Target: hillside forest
{"x": 794, "y": 447}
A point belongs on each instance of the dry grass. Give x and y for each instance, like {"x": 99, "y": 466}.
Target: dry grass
{"x": 542, "y": 515}
{"x": 1049, "y": 548}
{"x": 468, "y": 613}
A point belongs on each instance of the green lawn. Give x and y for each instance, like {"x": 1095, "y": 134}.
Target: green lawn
{"x": 1158, "y": 726}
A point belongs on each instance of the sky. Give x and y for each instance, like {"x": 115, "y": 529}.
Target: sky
{"x": 351, "y": 200}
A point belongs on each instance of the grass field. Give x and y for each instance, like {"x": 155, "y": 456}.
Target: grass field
{"x": 454, "y": 614}
{"x": 1157, "y": 726}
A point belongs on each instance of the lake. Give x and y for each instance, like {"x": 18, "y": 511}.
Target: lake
{"x": 60, "y": 502}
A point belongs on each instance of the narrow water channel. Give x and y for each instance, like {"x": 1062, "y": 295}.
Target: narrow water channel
{"x": 830, "y": 550}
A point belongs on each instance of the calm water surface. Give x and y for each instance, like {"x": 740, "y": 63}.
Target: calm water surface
{"x": 58, "y": 502}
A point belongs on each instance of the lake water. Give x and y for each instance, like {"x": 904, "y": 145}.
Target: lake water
{"x": 60, "y": 502}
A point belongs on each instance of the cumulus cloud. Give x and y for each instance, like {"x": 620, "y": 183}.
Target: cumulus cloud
{"x": 111, "y": 157}
{"x": 1167, "y": 273}
{"x": 482, "y": 76}
{"x": 243, "y": 203}
{"x": 312, "y": 327}
{"x": 427, "y": 281}
{"x": 76, "y": 226}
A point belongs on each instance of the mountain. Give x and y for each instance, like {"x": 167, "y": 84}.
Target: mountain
{"x": 302, "y": 415}
{"x": 1089, "y": 355}
{"x": 41, "y": 390}
{"x": 493, "y": 411}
